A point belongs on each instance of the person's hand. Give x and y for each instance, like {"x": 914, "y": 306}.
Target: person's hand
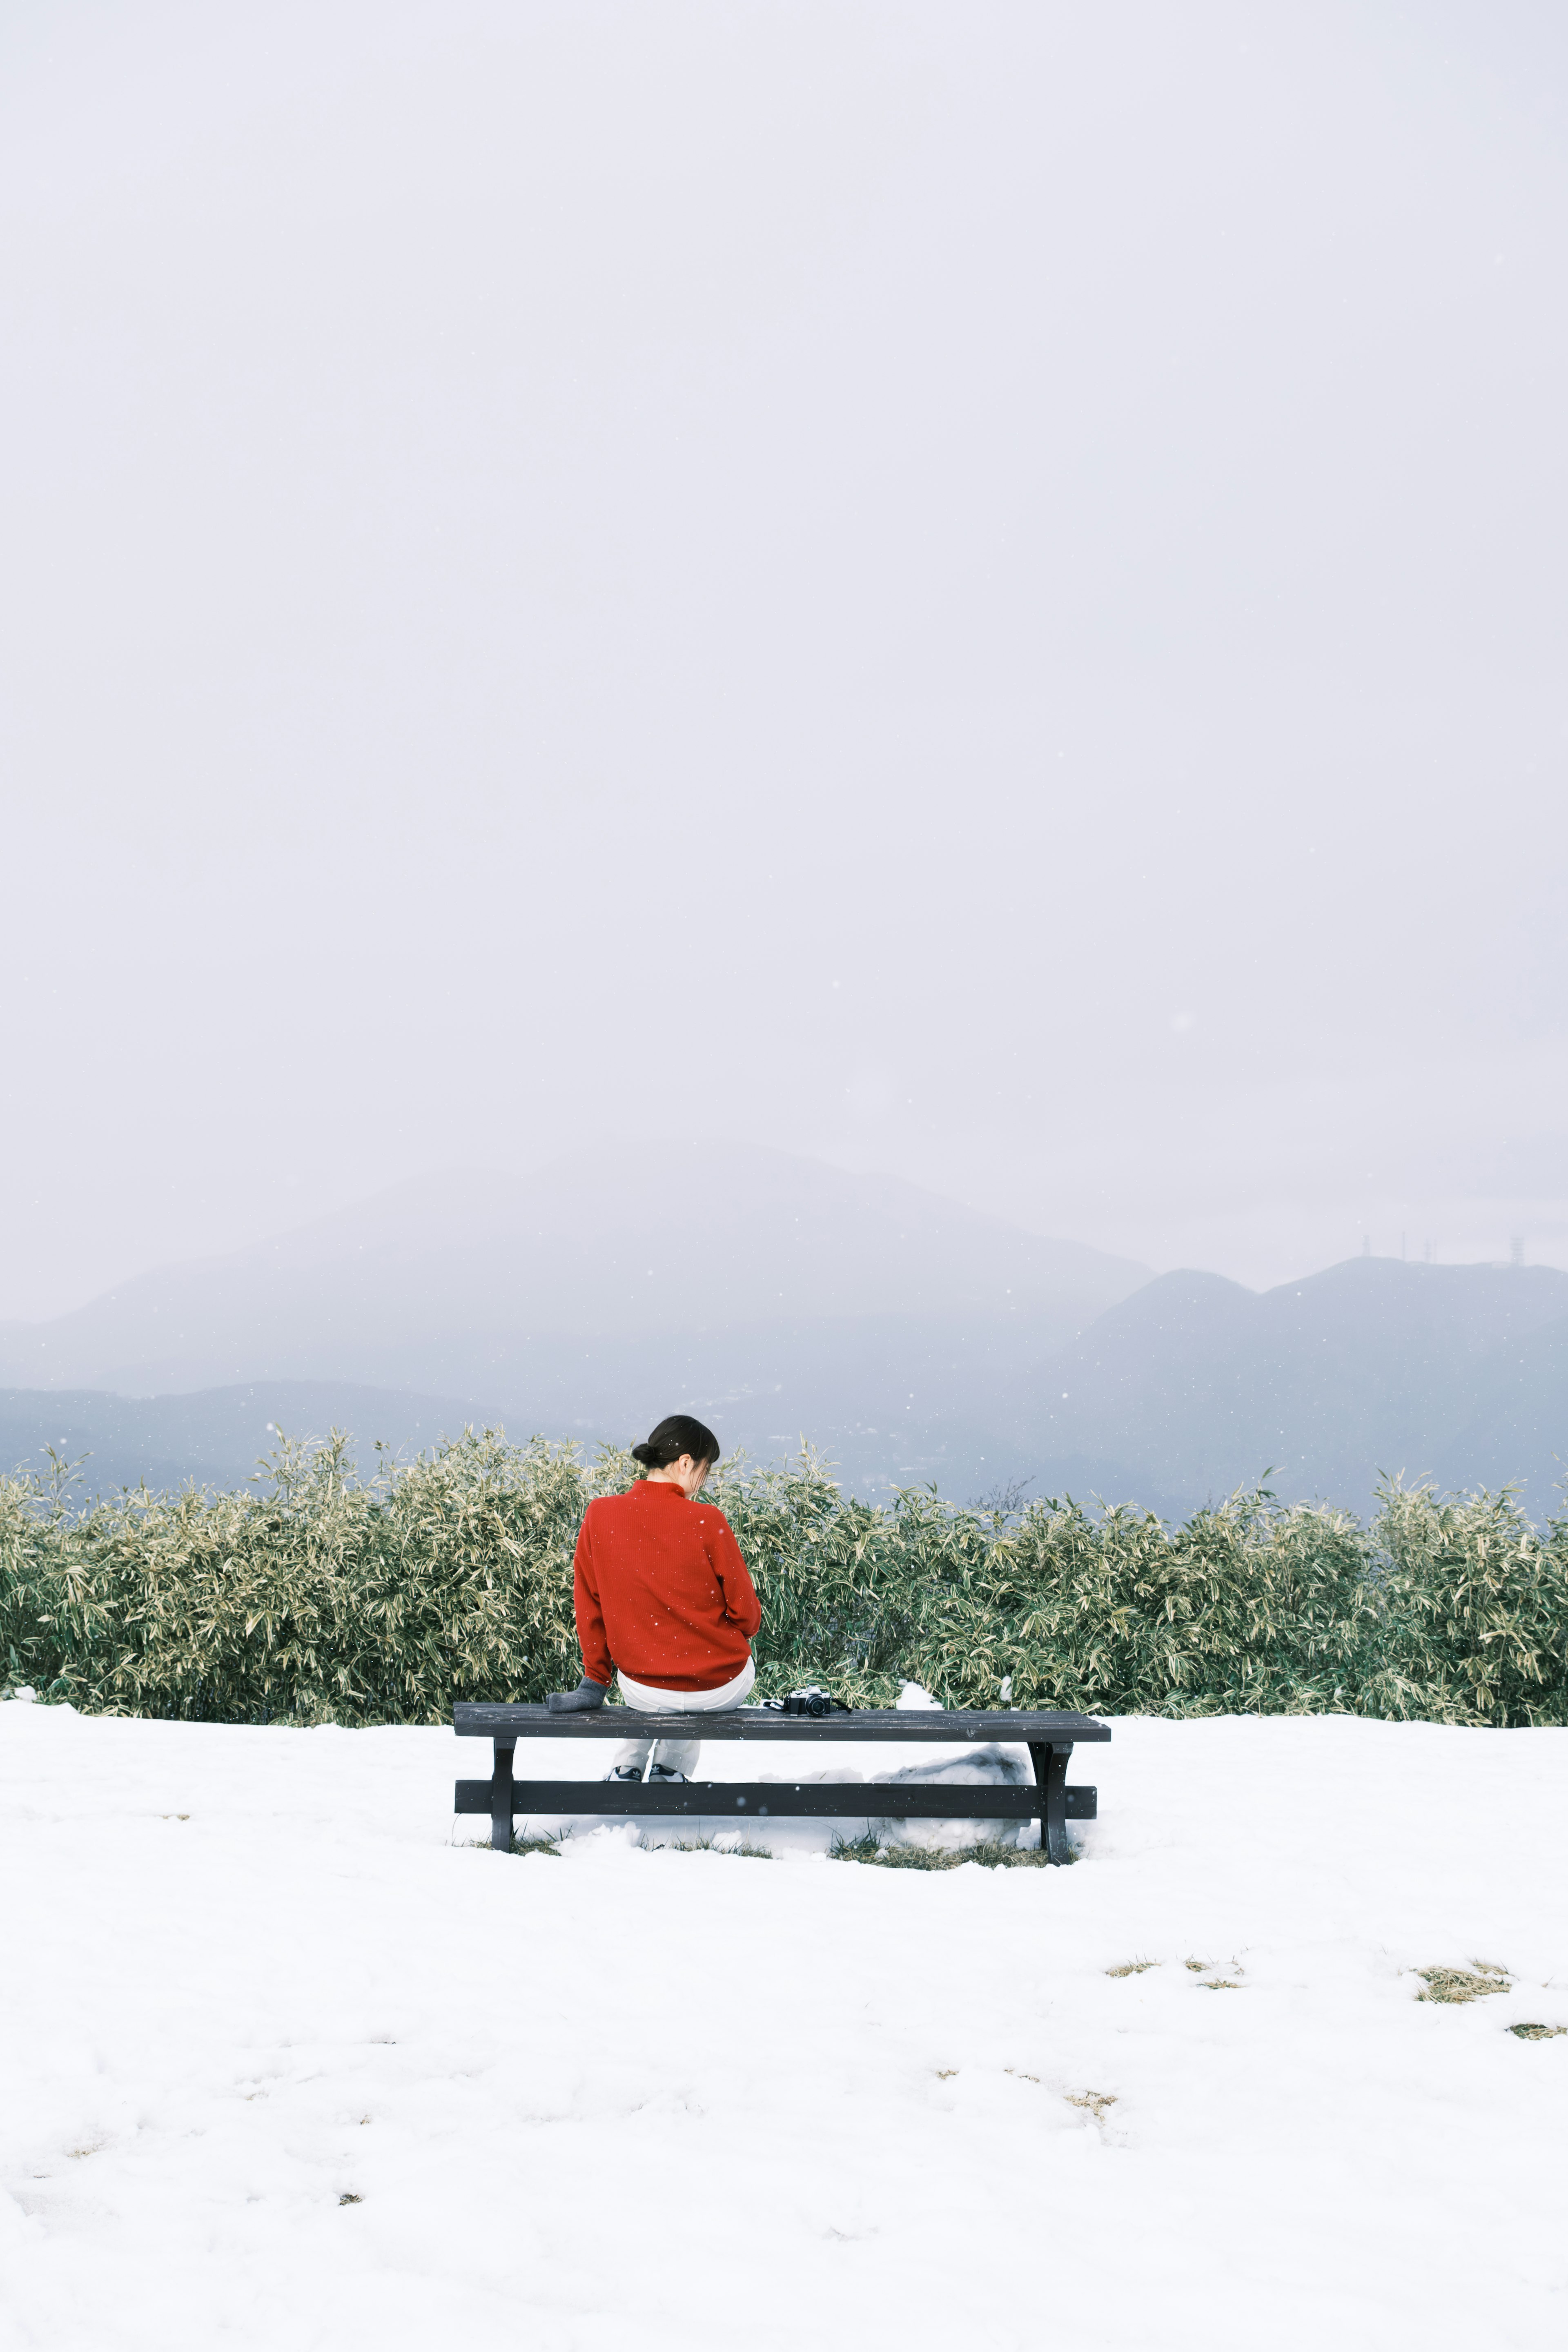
{"x": 581, "y": 1701}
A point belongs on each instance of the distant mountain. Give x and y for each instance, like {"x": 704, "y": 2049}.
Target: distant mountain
{"x": 774, "y": 1294}
{"x": 849, "y": 1394}
{"x": 907, "y": 1338}
{"x": 216, "y": 1436}
{"x": 1194, "y": 1385}
{"x": 1189, "y": 1388}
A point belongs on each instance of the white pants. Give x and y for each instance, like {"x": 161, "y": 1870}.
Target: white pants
{"x": 675, "y": 1755}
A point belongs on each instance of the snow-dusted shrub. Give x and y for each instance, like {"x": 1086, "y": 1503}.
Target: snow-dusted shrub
{"x": 1477, "y": 1611}
{"x": 449, "y": 1577}
{"x": 372, "y": 1602}
{"x": 1453, "y": 1612}
{"x": 851, "y": 1592}
{"x": 1249, "y": 1608}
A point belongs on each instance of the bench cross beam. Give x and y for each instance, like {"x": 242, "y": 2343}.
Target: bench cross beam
{"x": 1049, "y": 1736}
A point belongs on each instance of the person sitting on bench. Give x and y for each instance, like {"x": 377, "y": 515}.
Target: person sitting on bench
{"x": 663, "y": 1597}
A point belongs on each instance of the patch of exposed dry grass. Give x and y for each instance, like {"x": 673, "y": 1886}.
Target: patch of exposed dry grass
{"x": 1457, "y": 1986}
{"x": 720, "y": 1845}
{"x": 990, "y": 1855}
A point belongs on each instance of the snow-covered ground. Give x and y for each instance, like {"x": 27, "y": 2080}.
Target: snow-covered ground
{"x": 288, "y": 2062}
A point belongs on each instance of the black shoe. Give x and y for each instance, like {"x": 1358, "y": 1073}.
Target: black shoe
{"x": 663, "y": 1772}
{"x": 623, "y": 1772}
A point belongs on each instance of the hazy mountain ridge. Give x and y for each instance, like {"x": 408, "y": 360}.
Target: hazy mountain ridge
{"x": 1195, "y": 1385}
{"x": 214, "y": 1436}
{"x": 465, "y": 1286}
{"x": 782, "y": 1298}
{"x": 1174, "y": 1397}
{"x": 906, "y": 1337}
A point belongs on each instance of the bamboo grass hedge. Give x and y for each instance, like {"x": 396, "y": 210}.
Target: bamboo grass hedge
{"x": 318, "y": 1597}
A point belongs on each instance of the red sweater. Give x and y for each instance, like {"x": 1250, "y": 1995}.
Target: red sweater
{"x": 661, "y": 1590}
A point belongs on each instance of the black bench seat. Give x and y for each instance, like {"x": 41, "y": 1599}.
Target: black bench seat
{"x": 1049, "y": 1736}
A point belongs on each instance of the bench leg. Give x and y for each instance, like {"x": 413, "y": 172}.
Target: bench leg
{"x": 500, "y": 1797}
{"x": 1051, "y": 1760}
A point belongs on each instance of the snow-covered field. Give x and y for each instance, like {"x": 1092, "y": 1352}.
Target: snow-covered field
{"x": 289, "y": 2062}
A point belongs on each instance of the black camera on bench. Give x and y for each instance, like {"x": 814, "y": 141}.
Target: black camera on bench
{"x": 810, "y": 1701}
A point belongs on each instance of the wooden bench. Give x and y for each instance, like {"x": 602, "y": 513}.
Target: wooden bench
{"x": 1051, "y": 1739}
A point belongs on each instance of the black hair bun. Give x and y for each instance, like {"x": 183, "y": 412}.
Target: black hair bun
{"x": 676, "y": 1434}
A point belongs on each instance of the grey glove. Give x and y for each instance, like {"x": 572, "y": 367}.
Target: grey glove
{"x": 581, "y": 1701}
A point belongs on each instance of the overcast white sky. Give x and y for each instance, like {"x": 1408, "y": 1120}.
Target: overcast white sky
{"x": 977, "y": 590}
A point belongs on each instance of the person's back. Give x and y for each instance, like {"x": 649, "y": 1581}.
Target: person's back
{"x": 663, "y": 1597}
{"x": 662, "y": 1591}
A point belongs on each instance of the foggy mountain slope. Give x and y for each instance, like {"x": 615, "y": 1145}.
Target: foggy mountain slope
{"x": 907, "y": 1338}
{"x": 216, "y": 1436}
{"x": 1195, "y": 1385}
{"x": 1188, "y": 1388}
{"x": 505, "y": 1287}
{"x": 1523, "y": 1412}
{"x": 887, "y": 1401}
